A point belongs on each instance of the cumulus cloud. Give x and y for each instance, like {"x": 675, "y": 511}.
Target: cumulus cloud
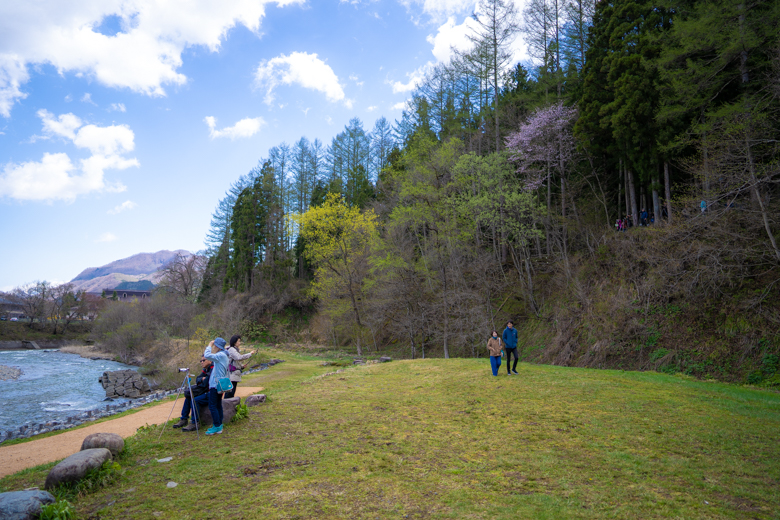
{"x": 399, "y": 106}
{"x": 299, "y": 68}
{"x": 87, "y": 98}
{"x": 247, "y": 127}
{"x": 126, "y": 205}
{"x": 451, "y": 36}
{"x": 143, "y": 56}
{"x": 414, "y": 79}
{"x": 56, "y": 176}
{"x": 117, "y": 107}
{"x": 372, "y": 108}
{"x": 106, "y": 237}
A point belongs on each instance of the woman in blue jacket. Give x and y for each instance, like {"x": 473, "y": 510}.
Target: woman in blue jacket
{"x": 215, "y": 353}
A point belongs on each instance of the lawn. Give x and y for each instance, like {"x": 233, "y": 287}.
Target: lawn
{"x": 444, "y": 439}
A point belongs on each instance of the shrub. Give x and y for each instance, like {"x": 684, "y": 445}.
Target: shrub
{"x": 60, "y": 510}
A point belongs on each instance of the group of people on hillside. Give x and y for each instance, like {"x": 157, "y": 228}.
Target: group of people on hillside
{"x": 219, "y": 360}
{"x": 506, "y": 344}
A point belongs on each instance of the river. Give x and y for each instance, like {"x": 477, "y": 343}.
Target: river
{"x": 53, "y": 386}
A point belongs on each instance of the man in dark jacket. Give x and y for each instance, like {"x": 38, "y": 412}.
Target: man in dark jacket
{"x": 200, "y": 391}
{"x": 510, "y": 346}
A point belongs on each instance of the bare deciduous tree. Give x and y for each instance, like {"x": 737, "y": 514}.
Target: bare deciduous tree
{"x": 183, "y": 275}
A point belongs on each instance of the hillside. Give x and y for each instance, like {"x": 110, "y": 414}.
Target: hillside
{"x": 136, "y": 268}
{"x": 443, "y": 439}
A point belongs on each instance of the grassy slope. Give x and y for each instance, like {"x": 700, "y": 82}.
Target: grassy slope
{"x": 444, "y": 439}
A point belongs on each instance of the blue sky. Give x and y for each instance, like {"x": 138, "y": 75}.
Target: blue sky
{"x": 123, "y": 122}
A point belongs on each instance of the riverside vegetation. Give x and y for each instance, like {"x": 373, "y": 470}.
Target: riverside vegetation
{"x": 441, "y": 438}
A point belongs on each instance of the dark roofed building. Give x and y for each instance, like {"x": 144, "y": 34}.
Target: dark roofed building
{"x": 124, "y": 295}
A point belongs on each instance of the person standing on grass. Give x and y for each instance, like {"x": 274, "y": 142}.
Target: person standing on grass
{"x": 235, "y": 365}
{"x": 494, "y": 346}
{"x": 510, "y": 346}
{"x": 215, "y": 353}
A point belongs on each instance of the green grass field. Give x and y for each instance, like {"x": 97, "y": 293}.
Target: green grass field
{"x": 444, "y": 439}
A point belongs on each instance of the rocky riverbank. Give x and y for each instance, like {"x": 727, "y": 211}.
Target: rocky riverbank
{"x": 32, "y": 429}
{"x": 8, "y": 373}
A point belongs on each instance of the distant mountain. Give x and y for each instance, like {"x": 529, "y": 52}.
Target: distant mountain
{"x": 140, "y": 264}
{"x": 137, "y": 268}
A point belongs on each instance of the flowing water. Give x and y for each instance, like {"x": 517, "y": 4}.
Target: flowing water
{"x": 53, "y": 386}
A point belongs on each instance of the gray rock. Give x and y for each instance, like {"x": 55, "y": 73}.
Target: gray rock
{"x": 23, "y": 505}
{"x": 76, "y": 466}
{"x": 254, "y": 400}
{"x": 111, "y": 441}
{"x": 228, "y": 411}
{"x": 385, "y": 359}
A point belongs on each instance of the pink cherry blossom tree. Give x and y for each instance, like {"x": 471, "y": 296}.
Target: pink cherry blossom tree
{"x": 543, "y": 147}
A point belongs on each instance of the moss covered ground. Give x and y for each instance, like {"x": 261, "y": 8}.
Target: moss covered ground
{"x": 444, "y": 439}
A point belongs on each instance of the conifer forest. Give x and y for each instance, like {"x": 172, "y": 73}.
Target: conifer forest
{"x": 617, "y": 198}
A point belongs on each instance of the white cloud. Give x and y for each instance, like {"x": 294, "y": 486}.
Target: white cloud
{"x": 63, "y": 126}
{"x": 247, "y": 127}
{"x": 303, "y": 69}
{"x": 55, "y": 176}
{"x": 372, "y": 108}
{"x": 128, "y": 204}
{"x": 145, "y": 56}
{"x": 356, "y": 79}
{"x": 118, "y": 107}
{"x": 106, "y": 237}
{"x": 399, "y": 106}
{"x": 87, "y": 98}
{"x": 68, "y": 98}
{"x": 449, "y": 36}
{"x": 414, "y": 77}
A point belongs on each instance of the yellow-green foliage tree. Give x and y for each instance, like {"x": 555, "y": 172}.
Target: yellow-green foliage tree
{"x": 338, "y": 242}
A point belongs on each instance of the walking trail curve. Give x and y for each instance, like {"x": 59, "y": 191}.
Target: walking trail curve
{"x": 34, "y": 453}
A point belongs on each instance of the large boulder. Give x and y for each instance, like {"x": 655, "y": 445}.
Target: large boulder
{"x": 111, "y": 441}
{"x": 228, "y": 411}
{"x": 254, "y": 400}
{"x": 75, "y": 467}
{"x": 23, "y": 505}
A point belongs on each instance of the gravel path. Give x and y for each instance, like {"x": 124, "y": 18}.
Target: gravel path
{"x": 33, "y": 453}
{"x": 9, "y": 373}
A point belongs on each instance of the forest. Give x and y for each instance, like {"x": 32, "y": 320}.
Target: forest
{"x": 617, "y": 197}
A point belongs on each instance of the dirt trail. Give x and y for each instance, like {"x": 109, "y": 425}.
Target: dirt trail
{"x": 33, "y": 453}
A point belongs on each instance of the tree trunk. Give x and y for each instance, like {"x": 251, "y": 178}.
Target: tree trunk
{"x": 563, "y": 197}
{"x": 656, "y": 199}
{"x": 549, "y": 204}
{"x": 625, "y": 190}
{"x": 620, "y": 190}
{"x": 668, "y": 187}
{"x": 757, "y": 195}
{"x": 632, "y": 194}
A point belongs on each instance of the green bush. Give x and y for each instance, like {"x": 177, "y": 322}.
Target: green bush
{"x": 658, "y": 354}
{"x": 241, "y": 413}
{"x": 60, "y": 510}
